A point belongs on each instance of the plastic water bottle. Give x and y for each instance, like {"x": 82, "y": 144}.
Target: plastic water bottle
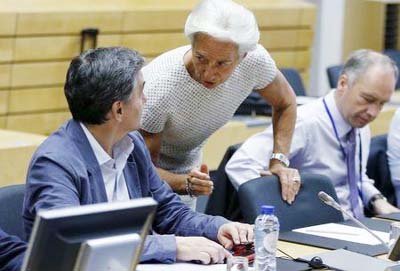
{"x": 266, "y": 232}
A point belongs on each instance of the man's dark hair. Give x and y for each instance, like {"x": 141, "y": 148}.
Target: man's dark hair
{"x": 98, "y": 78}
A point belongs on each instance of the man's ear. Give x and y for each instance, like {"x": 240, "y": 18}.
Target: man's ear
{"x": 343, "y": 83}
{"x": 116, "y": 110}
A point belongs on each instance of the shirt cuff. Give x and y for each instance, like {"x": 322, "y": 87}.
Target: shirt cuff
{"x": 368, "y": 192}
{"x": 159, "y": 248}
{"x": 211, "y": 231}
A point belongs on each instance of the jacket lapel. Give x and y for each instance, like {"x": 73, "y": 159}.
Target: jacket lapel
{"x": 78, "y": 136}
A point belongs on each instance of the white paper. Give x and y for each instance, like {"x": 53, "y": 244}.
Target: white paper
{"x": 305, "y": 99}
{"x": 181, "y": 267}
{"x": 344, "y": 232}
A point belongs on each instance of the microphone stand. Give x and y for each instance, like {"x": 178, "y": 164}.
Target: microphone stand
{"x": 328, "y": 200}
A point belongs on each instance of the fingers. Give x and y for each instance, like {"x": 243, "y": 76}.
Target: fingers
{"x": 204, "y": 257}
{"x": 250, "y": 233}
{"x": 284, "y": 185}
{"x": 228, "y": 235}
{"x": 200, "y": 249}
{"x": 290, "y": 183}
{"x": 235, "y": 233}
{"x": 201, "y": 187}
{"x": 204, "y": 169}
{"x": 199, "y": 175}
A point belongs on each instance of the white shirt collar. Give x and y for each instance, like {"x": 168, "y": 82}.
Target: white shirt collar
{"x": 124, "y": 146}
{"x": 342, "y": 126}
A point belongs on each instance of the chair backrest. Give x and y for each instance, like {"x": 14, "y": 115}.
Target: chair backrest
{"x": 294, "y": 79}
{"x": 395, "y": 56}
{"x": 224, "y": 200}
{"x": 333, "y": 75}
{"x": 306, "y": 210}
{"x": 378, "y": 167}
{"x": 11, "y": 201}
{"x": 255, "y": 104}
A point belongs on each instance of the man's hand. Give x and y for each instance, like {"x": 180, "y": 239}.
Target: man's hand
{"x": 382, "y": 207}
{"x": 289, "y": 178}
{"x": 200, "y": 182}
{"x": 200, "y": 249}
{"x": 235, "y": 233}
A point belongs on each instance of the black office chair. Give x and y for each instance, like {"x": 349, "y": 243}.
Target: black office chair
{"x": 395, "y": 55}
{"x": 224, "y": 200}
{"x": 333, "y": 75}
{"x": 306, "y": 210}
{"x": 378, "y": 167}
{"x": 11, "y": 201}
{"x": 255, "y": 104}
{"x": 294, "y": 79}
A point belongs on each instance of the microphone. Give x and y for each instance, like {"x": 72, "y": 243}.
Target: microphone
{"x": 328, "y": 200}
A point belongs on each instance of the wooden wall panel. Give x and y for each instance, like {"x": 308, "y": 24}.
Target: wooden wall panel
{"x": 3, "y": 120}
{"x": 109, "y": 40}
{"x": 67, "y": 22}
{"x": 6, "y": 49}
{"x": 31, "y": 100}
{"x": 4, "y": 101}
{"x": 39, "y": 123}
{"x": 5, "y": 75}
{"x": 46, "y": 48}
{"x": 154, "y": 44}
{"x": 39, "y": 74}
{"x": 154, "y": 20}
{"x": 286, "y": 38}
{"x": 299, "y": 60}
{"x": 7, "y": 23}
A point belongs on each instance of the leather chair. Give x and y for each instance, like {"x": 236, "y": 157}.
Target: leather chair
{"x": 306, "y": 210}
{"x": 378, "y": 167}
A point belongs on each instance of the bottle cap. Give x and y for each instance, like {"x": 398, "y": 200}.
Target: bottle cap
{"x": 267, "y": 209}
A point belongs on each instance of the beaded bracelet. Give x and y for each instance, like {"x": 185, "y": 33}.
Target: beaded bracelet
{"x": 189, "y": 189}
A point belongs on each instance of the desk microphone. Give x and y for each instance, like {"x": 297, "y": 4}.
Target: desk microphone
{"x": 328, "y": 200}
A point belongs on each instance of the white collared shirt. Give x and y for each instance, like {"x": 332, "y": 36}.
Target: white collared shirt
{"x": 393, "y": 153}
{"x": 112, "y": 168}
{"x": 314, "y": 149}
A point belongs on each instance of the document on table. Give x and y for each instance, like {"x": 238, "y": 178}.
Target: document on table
{"x": 181, "y": 267}
{"x": 345, "y": 233}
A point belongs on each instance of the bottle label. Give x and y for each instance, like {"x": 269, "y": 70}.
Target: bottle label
{"x": 270, "y": 241}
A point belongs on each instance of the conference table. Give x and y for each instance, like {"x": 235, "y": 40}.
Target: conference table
{"x": 295, "y": 250}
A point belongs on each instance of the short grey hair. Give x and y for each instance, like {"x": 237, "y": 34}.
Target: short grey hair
{"x": 361, "y": 60}
{"x": 225, "y": 20}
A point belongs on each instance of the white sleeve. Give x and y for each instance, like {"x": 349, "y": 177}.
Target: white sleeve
{"x": 250, "y": 159}
{"x": 393, "y": 153}
{"x": 262, "y": 66}
{"x": 255, "y": 153}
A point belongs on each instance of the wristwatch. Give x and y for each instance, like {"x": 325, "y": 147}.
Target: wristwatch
{"x": 375, "y": 198}
{"x": 281, "y": 158}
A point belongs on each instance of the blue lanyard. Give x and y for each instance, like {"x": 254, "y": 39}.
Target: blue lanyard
{"x": 342, "y": 148}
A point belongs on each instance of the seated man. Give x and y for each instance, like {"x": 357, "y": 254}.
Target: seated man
{"x": 12, "y": 251}
{"x": 393, "y": 153}
{"x": 93, "y": 158}
{"x": 331, "y": 135}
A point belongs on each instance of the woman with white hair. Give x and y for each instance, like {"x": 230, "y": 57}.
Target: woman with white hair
{"x": 194, "y": 90}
